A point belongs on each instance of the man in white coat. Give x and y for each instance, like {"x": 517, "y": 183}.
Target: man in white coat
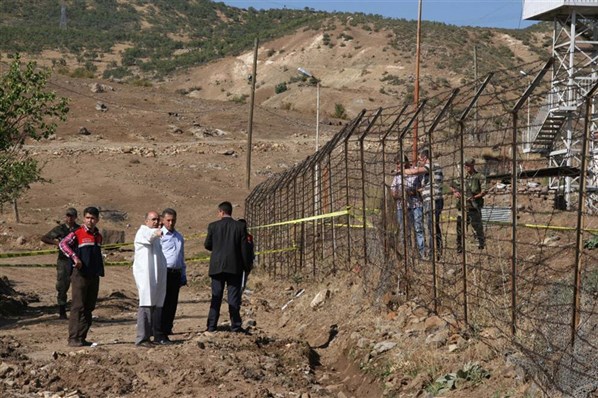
{"x": 149, "y": 270}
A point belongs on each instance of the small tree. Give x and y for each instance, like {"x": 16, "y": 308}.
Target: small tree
{"x": 339, "y": 111}
{"x": 281, "y": 88}
{"x": 27, "y": 110}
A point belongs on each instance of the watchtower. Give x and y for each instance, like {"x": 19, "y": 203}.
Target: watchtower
{"x": 575, "y": 50}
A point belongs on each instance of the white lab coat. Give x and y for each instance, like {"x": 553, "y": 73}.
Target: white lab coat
{"x": 149, "y": 268}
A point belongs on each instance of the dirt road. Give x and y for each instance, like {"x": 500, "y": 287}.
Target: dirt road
{"x": 36, "y": 360}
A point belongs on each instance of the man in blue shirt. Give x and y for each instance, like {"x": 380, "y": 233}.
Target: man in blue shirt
{"x": 173, "y": 247}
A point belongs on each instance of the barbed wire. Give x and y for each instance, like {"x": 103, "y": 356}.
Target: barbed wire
{"x": 530, "y": 278}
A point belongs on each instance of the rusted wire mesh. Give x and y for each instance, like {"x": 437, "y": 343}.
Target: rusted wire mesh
{"x": 531, "y": 280}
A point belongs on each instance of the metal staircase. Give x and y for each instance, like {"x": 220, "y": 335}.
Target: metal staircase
{"x": 546, "y": 127}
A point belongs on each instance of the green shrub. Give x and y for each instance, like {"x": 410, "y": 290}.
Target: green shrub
{"x": 281, "y": 88}
{"x": 339, "y": 111}
{"x": 392, "y": 79}
{"x": 240, "y": 99}
{"x": 140, "y": 82}
{"x": 82, "y": 73}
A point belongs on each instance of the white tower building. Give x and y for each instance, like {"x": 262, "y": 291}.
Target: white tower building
{"x": 575, "y": 50}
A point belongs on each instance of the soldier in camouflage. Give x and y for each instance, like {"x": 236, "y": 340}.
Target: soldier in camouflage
{"x": 475, "y": 190}
{"x": 63, "y": 265}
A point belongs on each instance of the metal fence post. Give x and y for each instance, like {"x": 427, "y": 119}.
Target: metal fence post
{"x": 580, "y": 206}
{"x": 461, "y": 122}
{"x": 432, "y": 204}
{"x": 363, "y": 193}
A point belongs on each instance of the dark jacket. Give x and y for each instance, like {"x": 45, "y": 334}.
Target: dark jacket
{"x": 59, "y": 232}
{"x": 227, "y": 240}
{"x": 87, "y": 246}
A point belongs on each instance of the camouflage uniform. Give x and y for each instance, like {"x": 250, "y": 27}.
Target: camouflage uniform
{"x": 63, "y": 263}
{"x": 474, "y": 184}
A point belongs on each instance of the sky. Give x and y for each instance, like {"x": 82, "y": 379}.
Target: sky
{"x": 486, "y": 13}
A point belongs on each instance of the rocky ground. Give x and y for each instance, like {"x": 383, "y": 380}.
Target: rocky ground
{"x": 335, "y": 347}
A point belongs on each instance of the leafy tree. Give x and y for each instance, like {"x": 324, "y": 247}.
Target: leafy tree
{"x": 27, "y": 111}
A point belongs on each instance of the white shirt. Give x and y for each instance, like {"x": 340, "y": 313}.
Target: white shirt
{"x": 412, "y": 184}
{"x": 149, "y": 267}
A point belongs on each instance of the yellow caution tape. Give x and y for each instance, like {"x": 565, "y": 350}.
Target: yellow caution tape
{"x": 359, "y": 217}
{"x": 115, "y": 245}
{"x": 533, "y": 226}
{"x": 286, "y": 249}
{"x": 353, "y": 225}
{"x": 306, "y": 219}
{"x": 339, "y": 213}
{"x": 28, "y": 265}
{"x": 197, "y": 235}
{"x": 27, "y": 254}
{"x": 204, "y": 257}
{"x": 53, "y": 251}
{"x": 106, "y": 264}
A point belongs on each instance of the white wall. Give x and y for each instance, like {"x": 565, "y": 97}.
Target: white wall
{"x": 533, "y": 8}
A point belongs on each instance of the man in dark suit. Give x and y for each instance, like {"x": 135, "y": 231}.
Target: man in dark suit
{"x": 227, "y": 240}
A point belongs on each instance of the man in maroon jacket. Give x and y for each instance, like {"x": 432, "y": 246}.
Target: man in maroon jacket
{"x": 84, "y": 247}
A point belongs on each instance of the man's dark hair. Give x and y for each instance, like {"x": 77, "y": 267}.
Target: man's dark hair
{"x": 226, "y": 208}
{"x": 169, "y": 211}
{"x": 92, "y": 210}
{"x": 425, "y": 153}
{"x": 405, "y": 159}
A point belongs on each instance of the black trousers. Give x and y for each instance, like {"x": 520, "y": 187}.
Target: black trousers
{"x": 173, "y": 286}
{"x": 233, "y": 283}
{"x": 84, "y": 297}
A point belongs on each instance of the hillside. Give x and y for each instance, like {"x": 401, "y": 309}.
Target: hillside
{"x": 204, "y": 49}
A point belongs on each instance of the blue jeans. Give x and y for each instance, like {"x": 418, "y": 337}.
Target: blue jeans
{"x": 438, "y": 206}
{"x": 415, "y": 221}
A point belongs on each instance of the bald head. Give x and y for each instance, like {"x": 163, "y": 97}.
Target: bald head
{"x": 152, "y": 219}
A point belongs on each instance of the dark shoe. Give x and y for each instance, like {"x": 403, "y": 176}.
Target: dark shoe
{"x": 62, "y": 312}
{"x": 481, "y": 246}
{"x": 144, "y": 344}
{"x": 85, "y": 343}
{"x": 75, "y": 343}
{"x": 459, "y": 250}
{"x": 164, "y": 342}
{"x": 241, "y": 330}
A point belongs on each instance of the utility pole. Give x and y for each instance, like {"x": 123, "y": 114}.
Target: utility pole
{"x": 63, "y": 16}
{"x": 475, "y": 78}
{"x": 250, "y": 123}
{"x": 416, "y": 89}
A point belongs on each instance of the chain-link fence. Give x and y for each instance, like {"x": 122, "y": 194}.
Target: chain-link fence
{"x": 523, "y": 264}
